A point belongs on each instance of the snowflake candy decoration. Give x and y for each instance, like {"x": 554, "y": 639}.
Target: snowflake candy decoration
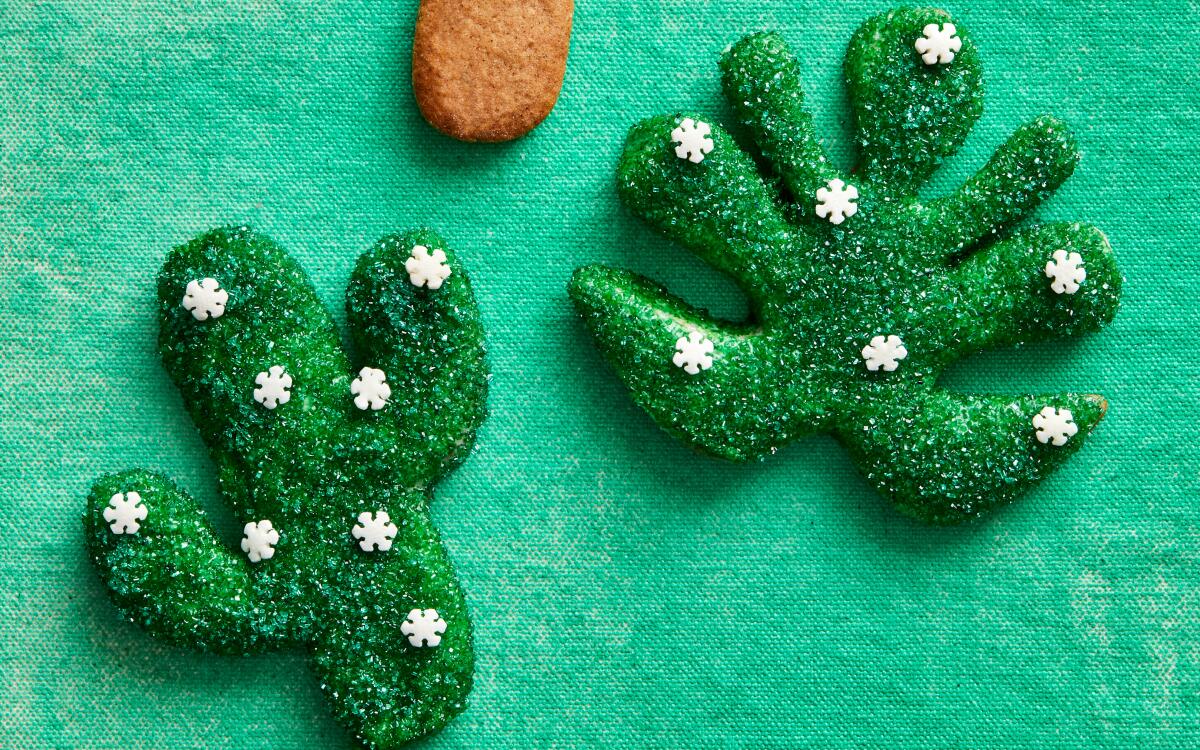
{"x": 692, "y": 140}
{"x": 301, "y": 478}
{"x": 943, "y": 272}
{"x": 374, "y": 531}
{"x": 1054, "y": 426}
{"x": 1065, "y": 271}
{"x": 427, "y": 268}
{"x": 424, "y": 628}
{"x": 274, "y": 387}
{"x": 884, "y": 352}
{"x": 205, "y": 299}
{"x": 693, "y": 353}
{"x": 258, "y": 540}
{"x": 124, "y": 511}
{"x": 938, "y": 43}
{"x": 370, "y": 389}
{"x": 836, "y": 201}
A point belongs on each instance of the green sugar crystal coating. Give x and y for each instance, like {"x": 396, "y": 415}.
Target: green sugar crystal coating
{"x": 949, "y": 276}
{"x": 310, "y": 466}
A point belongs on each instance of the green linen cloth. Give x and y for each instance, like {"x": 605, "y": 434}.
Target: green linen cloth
{"x": 625, "y": 592}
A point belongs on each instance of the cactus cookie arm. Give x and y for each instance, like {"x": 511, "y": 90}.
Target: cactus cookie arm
{"x": 718, "y": 207}
{"x": 761, "y": 80}
{"x": 395, "y": 654}
{"x": 1052, "y": 281}
{"x": 166, "y": 570}
{"x": 909, "y": 114}
{"x": 263, "y": 369}
{"x": 413, "y": 316}
{"x": 951, "y": 457}
{"x": 1025, "y": 171}
{"x": 715, "y": 392}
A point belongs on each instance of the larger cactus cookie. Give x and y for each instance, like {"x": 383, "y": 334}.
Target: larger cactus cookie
{"x": 328, "y": 465}
{"x": 861, "y": 291}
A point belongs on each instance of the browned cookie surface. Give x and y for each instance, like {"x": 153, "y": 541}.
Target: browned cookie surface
{"x": 489, "y": 70}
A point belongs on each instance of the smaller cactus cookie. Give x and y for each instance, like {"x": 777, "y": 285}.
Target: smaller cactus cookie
{"x": 328, "y": 462}
{"x": 861, "y": 291}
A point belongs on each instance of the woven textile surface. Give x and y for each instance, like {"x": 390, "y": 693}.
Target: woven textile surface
{"x": 625, "y": 592}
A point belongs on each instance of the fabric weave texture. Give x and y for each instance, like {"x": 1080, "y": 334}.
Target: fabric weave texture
{"x": 624, "y": 591}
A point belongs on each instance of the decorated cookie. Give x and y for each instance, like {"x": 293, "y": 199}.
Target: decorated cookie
{"x": 327, "y": 461}
{"x": 489, "y": 70}
{"x": 861, "y": 292}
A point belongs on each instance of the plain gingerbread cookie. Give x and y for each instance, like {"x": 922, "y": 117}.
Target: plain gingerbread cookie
{"x": 490, "y": 70}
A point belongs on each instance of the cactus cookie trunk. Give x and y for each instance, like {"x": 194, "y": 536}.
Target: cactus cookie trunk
{"x": 861, "y": 292}
{"x": 327, "y": 463}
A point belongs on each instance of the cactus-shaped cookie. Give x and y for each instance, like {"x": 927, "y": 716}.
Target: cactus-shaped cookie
{"x": 327, "y": 460}
{"x": 861, "y": 290}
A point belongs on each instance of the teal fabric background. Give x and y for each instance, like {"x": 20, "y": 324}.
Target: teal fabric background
{"x": 625, "y": 592}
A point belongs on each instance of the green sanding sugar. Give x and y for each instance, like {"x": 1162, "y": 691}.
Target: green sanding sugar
{"x": 861, "y": 293}
{"x": 328, "y": 465}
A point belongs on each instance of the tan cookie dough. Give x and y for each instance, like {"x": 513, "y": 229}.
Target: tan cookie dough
{"x": 489, "y": 70}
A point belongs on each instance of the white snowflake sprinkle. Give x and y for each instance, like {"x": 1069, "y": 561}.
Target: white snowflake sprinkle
{"x": 258, "y": 540}
{"x": 836, "y": 201}
{"x": 1055, "y": 426}
{"x": 204, "y": 298}
{"x": 370, "y": 389}
{"x": 939, "y": 43}
{"x": 424, "y": 627}
{"x": 427, "y": 268}
{"x": 1065, "y": 271}
{"x": 124, "y": 511}
{"x": 273, "y": 387}
{"x": 374, "y": 531}
{"x": 691, "y": 139}
{"x": 884, "y": 352}
{"x": 693, "y": 353}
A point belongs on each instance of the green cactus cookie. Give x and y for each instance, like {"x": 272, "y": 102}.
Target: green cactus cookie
{"x": 329, "y": 466}
{"x": 861, "y": 292}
